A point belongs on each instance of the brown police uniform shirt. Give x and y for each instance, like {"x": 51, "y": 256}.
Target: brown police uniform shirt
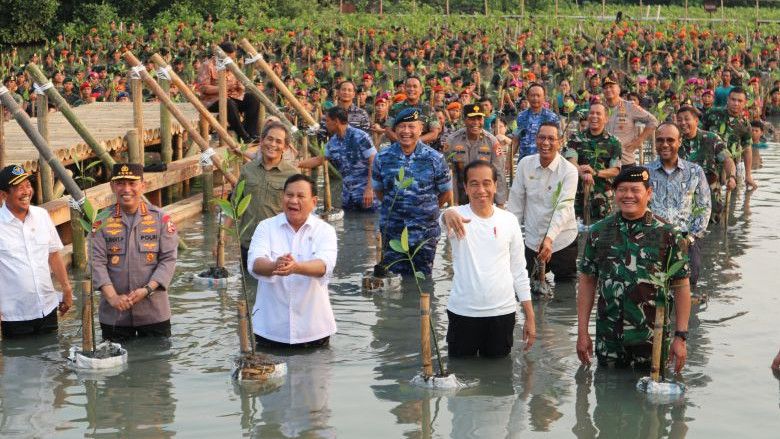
{"x": 463, "y": 151}
{"x": 130, "y": 251}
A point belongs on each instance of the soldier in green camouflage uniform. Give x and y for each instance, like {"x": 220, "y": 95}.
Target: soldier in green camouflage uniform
{"x": 731, "y": 124}
{"x": 621, "y": 253}
{"x": 707, "y": 150}
{"x": 596, "y": 153}
{"x": 431, "y": 125}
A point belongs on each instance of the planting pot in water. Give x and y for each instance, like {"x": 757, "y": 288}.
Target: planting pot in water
{"x": 379, "y": 279}
{"x": 107, "y": 355}
{"x": 214, "y": 277}
{"x": 259, "y": 370}
{"x": 330, "y": 215}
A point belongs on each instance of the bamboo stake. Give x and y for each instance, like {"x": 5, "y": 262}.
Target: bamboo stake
{"x": 221, "y": 247}
{"x": 137, "y": 91}
{"x": 586, "y": 204}
{"x": 62, "y": 105}
{"x": 658, "y": 336}
{"x": 425, "y": 335}
{"x": 243, "y": 328}
{"x": 166, "y": 138}
{"x": 2, "y": 138}
{"x": 47, "y": 179}
{"x": 249, "y": 49}
{"x": 326, "y": 176}
{"x": 177, "y": 113}
{"x": 87, "y": 341}
{"x": 192, "y": 99}
{"x": 134, "y": 151}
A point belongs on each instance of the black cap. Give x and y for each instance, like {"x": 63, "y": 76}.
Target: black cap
{"x": 12, "y": 175}
{"x": 473, "y": 110}
{"x": 227, "y": 47}
{"x": 632, "y": 174}
{"x": 410, "y": 114}
{"x": 127, "y": 171}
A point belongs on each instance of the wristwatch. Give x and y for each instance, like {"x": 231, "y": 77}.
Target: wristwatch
{"x": 149, "y": 291}
{"x": 681, "y": 334}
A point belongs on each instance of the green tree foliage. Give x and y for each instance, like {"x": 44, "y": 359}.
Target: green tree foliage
{"x": 22, "y": 22}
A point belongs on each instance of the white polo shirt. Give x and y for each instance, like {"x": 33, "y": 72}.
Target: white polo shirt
{"x": 26, "y": 288}
{"x": 293, "y": 309}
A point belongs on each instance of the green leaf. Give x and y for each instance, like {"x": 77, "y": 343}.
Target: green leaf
{"x": 419, "y": 246}
{"x": 401, "y": 173}
{"x": 396, "y": 246}
{"x": 405, "y": 240}
{"x": 240, "y": 190}
{"x": 103, "y": 215}
{"x": 419, "y": 275}
{"x": 677, "y": 266}
{"x": 92, "y": 165}
{"x": 85, "y": 225}
{"x": 406, "y": 183}
{"x": 89, "y": 211}
{"x": 226, "y": 207}
{"x": 242, "y": 206}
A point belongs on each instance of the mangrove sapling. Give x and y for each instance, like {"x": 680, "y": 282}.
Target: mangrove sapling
{"x": 401, "y": 183}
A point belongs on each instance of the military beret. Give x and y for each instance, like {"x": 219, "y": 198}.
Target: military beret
{"x": 410, "y": 114}
{"x": 127, "y": 171}
{"x": 633, "y": 174}
{"x": 454, "y": 105}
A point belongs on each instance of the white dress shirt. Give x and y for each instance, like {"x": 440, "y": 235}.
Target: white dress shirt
{"x": 530, "y": 199}
{"x": 26, "y": 288}
{"x": 488, "y": 265}
{"x": 293, "y": 309}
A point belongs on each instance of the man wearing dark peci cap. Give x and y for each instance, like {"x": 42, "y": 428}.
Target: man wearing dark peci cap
{"x": 134, "y": 256}
{"x": 29, "y": 253}
{"x": 621, "y": 253}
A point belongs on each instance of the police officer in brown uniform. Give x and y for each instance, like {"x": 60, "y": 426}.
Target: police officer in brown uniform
{"x": 474, "y": 143}
{"x": 134, "y": 256}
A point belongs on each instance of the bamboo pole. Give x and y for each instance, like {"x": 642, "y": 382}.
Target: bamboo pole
{"x": 166, "y": 138}
{"x": 47, "y": 178}
{"x": 134, "y": 151}
{"x": 222, "y": 86}
{"x": 137, "y": 92}
{"x": 425, "y": 335}
{"x": 62, "y": 105}
{"x": 326, "y": 177}
{"x": 243, "y": 328}
{"x": 221, "y": 247}
{"x": 586, "y": 204}
{"x": 2, "y": 138}
{"x": 658, "y": 338}
{"x": 78, "y": 259}
{"x": 307, "y": 117}
{"x": 87, "y": 341}
{"x": 177, "y": 113}
{"x": 190, "y": 96}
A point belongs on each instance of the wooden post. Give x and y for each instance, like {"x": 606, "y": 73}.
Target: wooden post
{"x": 658, "y": 339}
{"x": 190, "y": 96}
{"x": 446, "y": 7}
{"x": 2, "y": 137}
{"x": 222, "y": 86}
{"x": 304, "y": 151}
{"x": 87, "y": 342}
{"x": 486, "y": 10}
{"x": 177, "y": 113}
{"x": 137, "y": 91}
{"x": 326, "y": 177}
{"x": 78, "y": 242}
{"x": 722, "y": 12}
{"x": 221, "y": 247}
{"x": 586, "y": 204}
{"x": 261, "y": 119}
{"x": 603, "y": 8}
{"x": 243, "y": 328}
{"x": 425, "y": 334}
{"x": 134, "y": 151}
{"x": 47, "y": 178}
{"x": 166, "y": 139}
{"x": 378, "y": 247}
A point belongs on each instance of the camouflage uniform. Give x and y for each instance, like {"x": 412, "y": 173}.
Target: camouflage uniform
{"x": 350, "y": 154}
{"x": 415, "y": 207}
{"x": 708, "y": 151}
{"x": 602, "y": 151}
{"x": 735, "y": 131}
{"x": 464, "y": 151}
{"x": 622, "y": 254}
{"x": 427, "y": 115}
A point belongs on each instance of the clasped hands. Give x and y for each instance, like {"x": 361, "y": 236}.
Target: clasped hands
{"x": 285, "y": 265}
{"x": 124, "y": 302}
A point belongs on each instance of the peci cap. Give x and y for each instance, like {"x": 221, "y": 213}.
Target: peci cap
{"x": 632, "y": 174}
{"x": 127, "y": 171}
{"x": 12, "y": 175}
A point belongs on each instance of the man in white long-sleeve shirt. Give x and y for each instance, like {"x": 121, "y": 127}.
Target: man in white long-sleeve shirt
{"x": 550, "y": 230}
{"x": 490, "y": 274}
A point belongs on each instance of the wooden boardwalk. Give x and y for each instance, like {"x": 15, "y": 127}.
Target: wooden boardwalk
{"x": 107, "y": 121}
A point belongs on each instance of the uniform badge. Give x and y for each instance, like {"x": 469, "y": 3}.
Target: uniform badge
{"x": 170, "y": 227}
{"x": 149, "y": 258}
{"x": 114, "y": 249}
{"x": 114, "y": 260}
{"x": 149, "y": 230}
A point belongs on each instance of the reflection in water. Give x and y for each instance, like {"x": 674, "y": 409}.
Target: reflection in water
{"x": 299, "y": 408}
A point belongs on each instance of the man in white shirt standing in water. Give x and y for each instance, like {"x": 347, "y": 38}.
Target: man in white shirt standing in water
{"x": 490, "y": 274}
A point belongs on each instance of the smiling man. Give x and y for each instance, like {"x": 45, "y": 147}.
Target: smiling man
{"x": 292, "y": 255}
{"x": 134, "y": 257}
{"x": 29, "y": 253}
{"x": 489, "y": 272}
{"x": 621, "y": 253}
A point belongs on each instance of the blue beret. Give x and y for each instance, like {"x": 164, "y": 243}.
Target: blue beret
{"x": 410, "y": 114}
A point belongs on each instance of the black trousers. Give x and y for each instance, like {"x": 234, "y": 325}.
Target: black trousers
{"x": 694, "y": 262}
{"x": 266, "y": 343}
{"x": 124, "y": 333}
{"x": 43, "y": 325}
{"x": 490, "y": 337}
{"x": 249, "y": 107}
{"x": 563, "y": 263}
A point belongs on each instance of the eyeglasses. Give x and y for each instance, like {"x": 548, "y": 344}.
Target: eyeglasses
{"x": 543, "y": 139}
{"x": 661, "y": 140}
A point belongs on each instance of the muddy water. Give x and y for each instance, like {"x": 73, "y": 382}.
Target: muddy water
{"x": 359, "y": 386}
